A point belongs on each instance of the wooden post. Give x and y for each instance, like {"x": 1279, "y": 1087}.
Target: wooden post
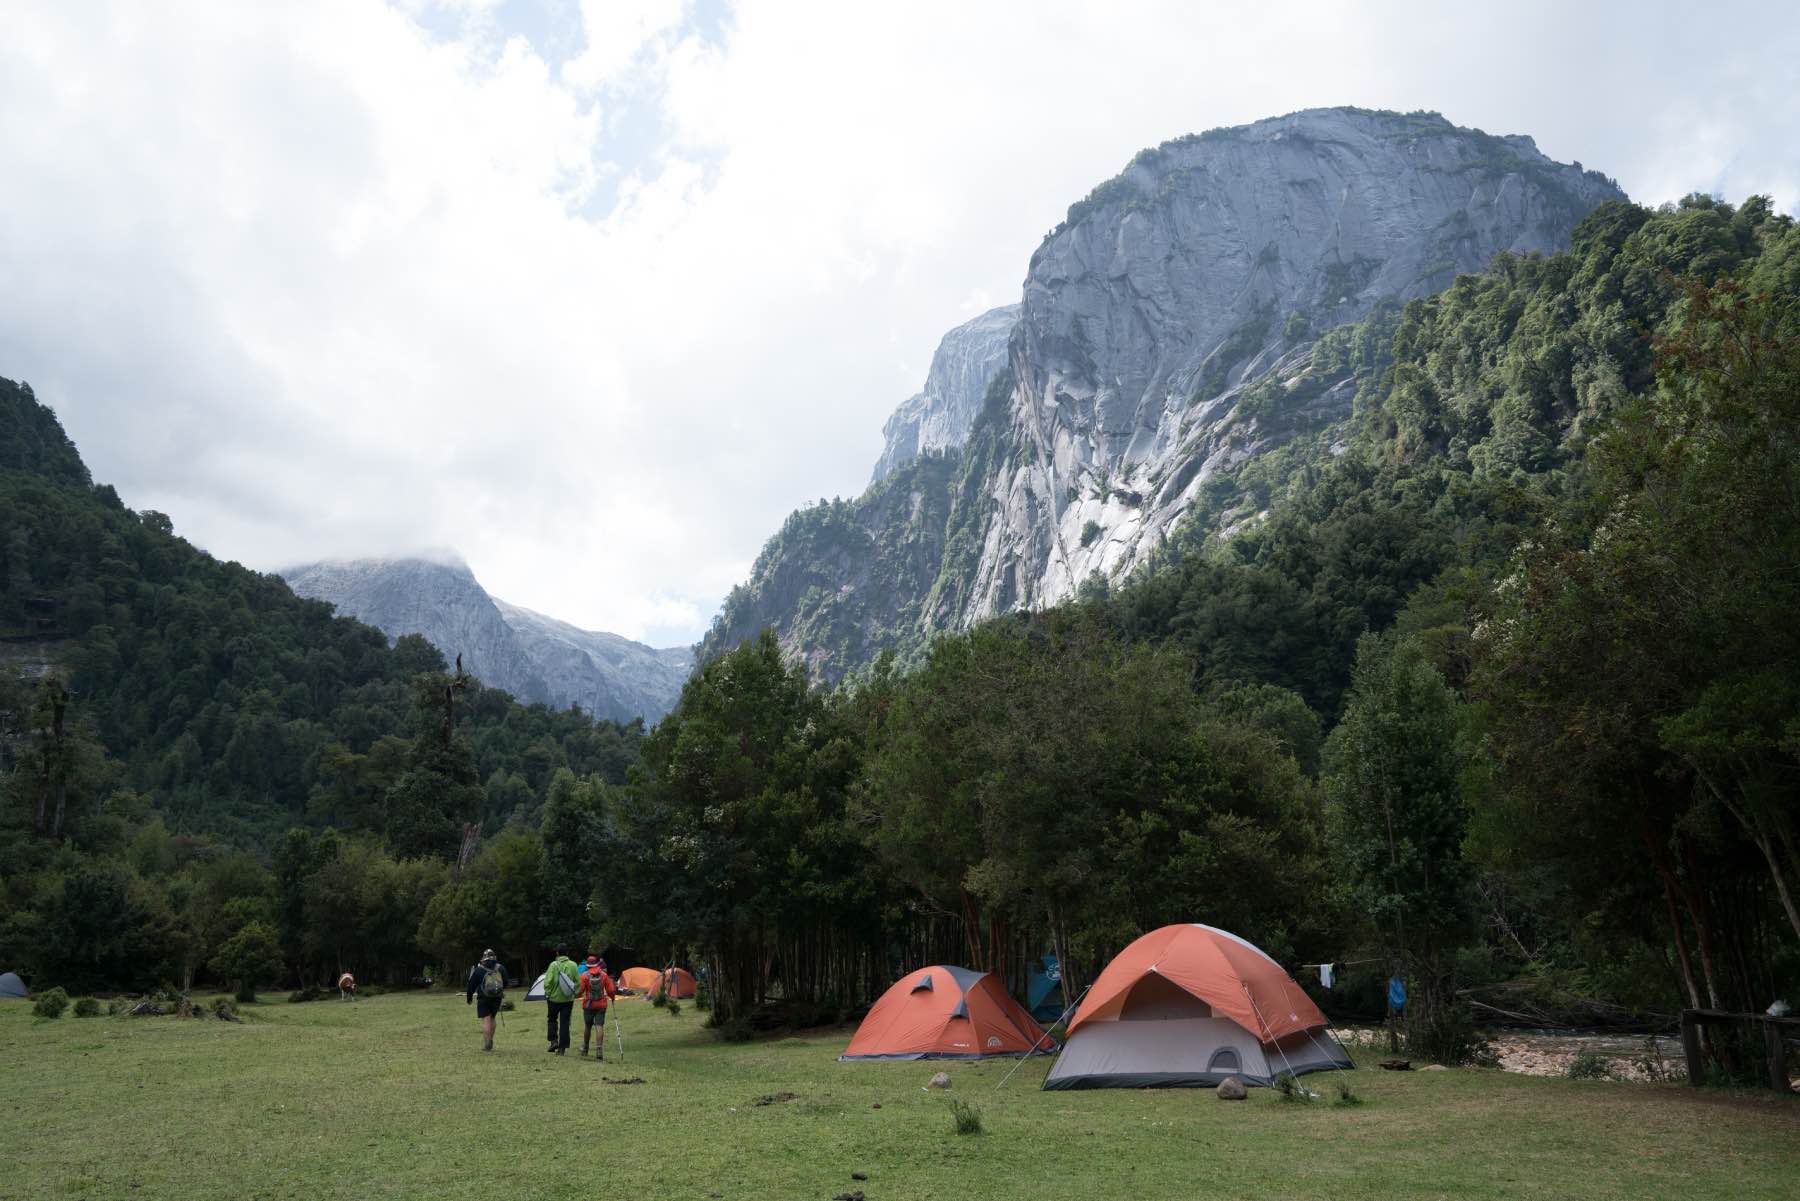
{"x": 1778, "y": 1077}
{"x": 1690, "y": 1046}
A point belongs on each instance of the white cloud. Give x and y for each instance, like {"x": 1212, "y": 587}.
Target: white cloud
{"x": 343, "y": 278}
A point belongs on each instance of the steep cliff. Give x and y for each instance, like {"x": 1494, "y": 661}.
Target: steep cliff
{"x": 937, "y": 418}
{"x": 536, "y": 658}
{"x": 1169, "y": 338}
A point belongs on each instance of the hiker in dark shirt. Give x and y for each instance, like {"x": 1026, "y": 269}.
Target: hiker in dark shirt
{"x": 487, "y": 988}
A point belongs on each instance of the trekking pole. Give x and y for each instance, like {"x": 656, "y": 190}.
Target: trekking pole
{"x": 619, "y": 1027}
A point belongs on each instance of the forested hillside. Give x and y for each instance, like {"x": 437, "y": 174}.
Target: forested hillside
{"x": 164, "y": 713}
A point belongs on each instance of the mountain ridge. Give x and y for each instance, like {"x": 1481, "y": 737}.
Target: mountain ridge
{"x": 1167, "y": 337}
{"x": 535, "y": 657}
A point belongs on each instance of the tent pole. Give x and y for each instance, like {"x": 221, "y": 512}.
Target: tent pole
{"x": 1264, "y": 1022}
{"x": 1034, "y": 1046}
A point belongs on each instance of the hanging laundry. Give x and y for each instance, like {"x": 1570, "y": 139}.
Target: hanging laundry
{"x": 1325, "y": 975}
{"x": 1396, "y": 994}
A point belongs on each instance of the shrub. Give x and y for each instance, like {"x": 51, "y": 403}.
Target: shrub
{"x": 305, "y": 993}
{"x": 1346, "y": 1095}
{"x": 1588, "y": 1064}
{"x": 737, "y": 1030}
{"x": 87, "y": 1007}
{"x": 245, "y": 994}
{"x": 224, "y": 1010}
{"x": 51, "y": 1004}
{"x": 1442, "y": 1034}
{"x": 967, "y": 1118}
{"x": 674, "y": 1007}
{"x": 1289, "y": 1088}
{"x": 116, "y": 1006}
{"x": 1651, "y": 1063}
{"x": 1089, "y": 532}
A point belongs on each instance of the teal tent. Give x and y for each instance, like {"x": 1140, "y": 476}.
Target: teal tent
{"x": 1044, "y": 995}
{"x": 11, "y": 985}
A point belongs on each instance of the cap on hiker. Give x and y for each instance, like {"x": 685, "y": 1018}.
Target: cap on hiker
{"x": 488, "y": 954}
{"x": 593, "y": 961}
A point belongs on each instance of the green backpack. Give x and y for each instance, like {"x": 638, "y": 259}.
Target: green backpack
{"x": 493, "y": 981}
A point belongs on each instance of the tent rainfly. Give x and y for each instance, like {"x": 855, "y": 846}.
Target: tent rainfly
{"x": 946, "y": 1013}
{"x": 11, "y": 985}
{"x": 650, "y": 982}
{"x": 1186, "y": 1006}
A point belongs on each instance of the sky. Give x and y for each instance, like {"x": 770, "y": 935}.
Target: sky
{"x": 595, "y": 292}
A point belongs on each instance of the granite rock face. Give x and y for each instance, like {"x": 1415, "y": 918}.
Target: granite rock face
{"x": 938, "y": 417}
{"x": 536, "y": 658}
{"x": 1167, "y": 333}
{"x": 1199, "y": 269}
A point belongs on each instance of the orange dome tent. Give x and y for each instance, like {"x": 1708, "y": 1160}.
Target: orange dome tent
{"x": 946, "y": 1013}
{"x": 639, "y": 979}
{"x": 1185, "y": 1007}
{"x": 649, "y": 981}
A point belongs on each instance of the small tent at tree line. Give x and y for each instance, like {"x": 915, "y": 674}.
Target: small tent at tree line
{"x": 946, "y": 1013}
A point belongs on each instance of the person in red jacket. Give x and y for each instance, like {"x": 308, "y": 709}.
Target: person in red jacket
{"x": 596, "y": 990}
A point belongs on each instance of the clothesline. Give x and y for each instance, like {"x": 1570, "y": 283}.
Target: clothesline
{"x": 1327, "y": 970}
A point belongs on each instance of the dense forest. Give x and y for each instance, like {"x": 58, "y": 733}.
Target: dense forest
{"x": 1495, "y": 691}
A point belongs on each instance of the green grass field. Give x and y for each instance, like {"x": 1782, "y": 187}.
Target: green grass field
{"x": 392, "y": 1097}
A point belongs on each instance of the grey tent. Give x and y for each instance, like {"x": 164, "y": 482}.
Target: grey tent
{"x": 11, "y": 985}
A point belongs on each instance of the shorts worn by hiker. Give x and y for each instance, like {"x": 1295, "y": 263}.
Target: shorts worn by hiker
{"x": 487, "y": 987}
{"x": 592, "y": 1017}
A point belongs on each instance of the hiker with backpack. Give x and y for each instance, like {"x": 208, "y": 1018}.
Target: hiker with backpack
{"x": 562, "y": 980}
{"x": 597, "y": 988}
{"x": 486, "y": 987}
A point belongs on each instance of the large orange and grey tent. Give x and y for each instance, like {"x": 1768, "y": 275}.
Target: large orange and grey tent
{"x": 650, "y": 982}
{"x": 1187, "y": 1006}
{"x": 946, "y": 1013}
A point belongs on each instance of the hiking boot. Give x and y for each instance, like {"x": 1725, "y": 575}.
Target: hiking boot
{"x": 488, "y": 1045}
{"x": 551, "y": 1048}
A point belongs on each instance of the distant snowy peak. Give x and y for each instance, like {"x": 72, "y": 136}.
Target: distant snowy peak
{"x": 534, "y": 657}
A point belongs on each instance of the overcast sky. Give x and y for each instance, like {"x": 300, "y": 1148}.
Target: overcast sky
{"x": 597, "y": 292}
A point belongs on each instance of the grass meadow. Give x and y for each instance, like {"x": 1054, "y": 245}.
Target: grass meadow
{"x": 391, "y": 1097}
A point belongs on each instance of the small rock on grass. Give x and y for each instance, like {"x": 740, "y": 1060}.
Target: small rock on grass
{"x": 1232, "y": 1089}
{"x": 859, "y": 1175}
{"x": 856, "y": 1196}
{"x": 941, "y": 1080}
{"x": 1434, "y": 1067}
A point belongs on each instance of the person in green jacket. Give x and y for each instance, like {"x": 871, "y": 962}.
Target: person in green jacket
{"x": 561, "y": 979}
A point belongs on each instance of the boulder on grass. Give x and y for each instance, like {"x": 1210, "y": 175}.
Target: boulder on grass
{"x": 1232, "y": 1089}
{"x": 941, "y": 1080}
